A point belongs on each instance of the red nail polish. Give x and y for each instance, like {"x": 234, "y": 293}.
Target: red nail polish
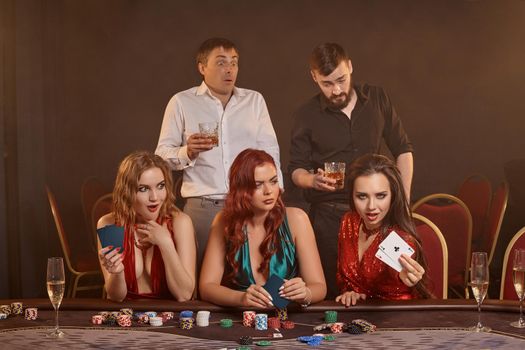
{"x": 118, "y": 249}
{"x": 110, "y": 246}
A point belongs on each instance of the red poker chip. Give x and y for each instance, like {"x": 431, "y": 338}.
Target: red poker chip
{"x": 288, "y": 324}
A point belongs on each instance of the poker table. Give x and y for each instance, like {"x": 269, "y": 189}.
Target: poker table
{"x": 416, "y": 324}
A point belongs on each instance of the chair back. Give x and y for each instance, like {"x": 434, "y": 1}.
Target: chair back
{"x": 102, "y": 206}
{"x": 91, "y": 190}
{"x": 436, "y": 254}
{"x": 453, "y": 219}
{"x": 496, "y": 214}
{"x": 476, "y": 193}
{"x": 507, "y": 290}
{"x": 64, "y": 242}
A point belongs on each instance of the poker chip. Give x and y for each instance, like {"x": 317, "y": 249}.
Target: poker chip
{"x": 97, "y": 319}
{"x": 263, "y": 343}
{"x": 155, "y": 321}
{"x": 248, "y": 318}
{"x": 274, "y": 322}
{"x": 104, "y": 315}
{"x": 329, "y": 337}
{"x": 330, "y": 316}
{"x": 288, "y": 324}
{"x": 185, "y": 322}
{"x": 261, "y": 322}
{"x": 5, "y": 309}
{"x": 226, "y": 323}
{"x": 282, "y": 314}
{"x": 353, "y": 329}
{"x": 203, "y": 318}
{"x": 337, "y": 327}
{"x": 3, "y": 316}
{"x": 186, "y": 313}
{"x": 151, "y": 314}
{"x": 124, "y": 320}
{"x": 143, "y": 318}
{"x": 364, "y": 325}
{"x": 110, "y": 321}
{"x": 17, "y": 308}
{"x": 168, "y": 315}
{"x": 243, "y": 348}
{"x": 320, "y": 327}
{"x": 126, "y": 311}
{"x": 115, "y": 314}
{"x": 245, "y": 340}
{"x": 314, "y": 340}
{"x": 31, "y": 313}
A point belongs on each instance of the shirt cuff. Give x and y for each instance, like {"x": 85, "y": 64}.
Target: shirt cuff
{"x": 184, "y": 158}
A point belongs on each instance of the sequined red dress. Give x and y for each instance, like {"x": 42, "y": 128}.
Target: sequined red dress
{"x": 159, "y": 285}
{"x": 369, "y": 276}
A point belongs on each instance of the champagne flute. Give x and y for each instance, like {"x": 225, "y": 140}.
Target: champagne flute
{"x": 55, "y": 289}
{"x": 518, "y": 277}
{"x": 479, "y": 282}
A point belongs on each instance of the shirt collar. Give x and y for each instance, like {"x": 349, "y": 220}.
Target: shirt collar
{"x": 204, "y": 89}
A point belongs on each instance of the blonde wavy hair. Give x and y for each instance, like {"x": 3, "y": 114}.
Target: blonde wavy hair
{"x": 127, "y": 184}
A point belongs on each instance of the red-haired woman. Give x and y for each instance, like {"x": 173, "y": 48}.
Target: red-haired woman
{"x": 255, "y": 237}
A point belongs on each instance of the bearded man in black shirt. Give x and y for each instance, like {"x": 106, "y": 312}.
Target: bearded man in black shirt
{"x": 341, "y": 123}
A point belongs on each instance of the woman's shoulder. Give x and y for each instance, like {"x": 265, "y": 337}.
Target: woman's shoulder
{"x": 293, "y": 213}
{"x": 106, "y": 220}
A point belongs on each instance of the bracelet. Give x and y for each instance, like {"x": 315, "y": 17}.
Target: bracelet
{"x": 308, "y": 300}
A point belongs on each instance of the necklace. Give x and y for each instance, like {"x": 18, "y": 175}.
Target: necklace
{"x": 371, "y": 232}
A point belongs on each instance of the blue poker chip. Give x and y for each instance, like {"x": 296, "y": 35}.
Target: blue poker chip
{"x": 186, "y": 313}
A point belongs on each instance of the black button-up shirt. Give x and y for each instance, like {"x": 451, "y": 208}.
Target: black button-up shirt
{"x": 321, "y": 134}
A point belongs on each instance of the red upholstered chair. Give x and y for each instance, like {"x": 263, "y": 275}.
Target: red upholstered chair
{"x": 436, "y": 254}
{"x": 507, "y": 290}
{"x": 453, "y": 219}
{"x": 476, "y": 193}
{"x": 83, "y": 266}
{"x": 91, "y": 190}
{"x": 496, "y": 214}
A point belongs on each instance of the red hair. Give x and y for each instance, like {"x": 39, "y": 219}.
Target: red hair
{"x": 238, "y": 209}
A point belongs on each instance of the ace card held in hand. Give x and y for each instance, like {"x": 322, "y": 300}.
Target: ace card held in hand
{"x": 391, "y": 249}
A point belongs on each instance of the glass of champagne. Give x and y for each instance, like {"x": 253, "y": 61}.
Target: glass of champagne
{"x": 55, "y": 289}
{"x": 518, "y": 276}
{"x": 479, "y": 282}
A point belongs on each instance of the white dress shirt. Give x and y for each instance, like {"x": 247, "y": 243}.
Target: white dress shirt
{"x": 244, "y": 123}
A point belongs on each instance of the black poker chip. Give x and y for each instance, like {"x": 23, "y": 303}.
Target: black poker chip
{"x": 245, "y": 340}
{"x": 353, "y": 329}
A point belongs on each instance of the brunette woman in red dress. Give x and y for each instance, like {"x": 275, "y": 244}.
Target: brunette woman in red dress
{"x": 378, "y": 206}
{"x": 159, "y": 242}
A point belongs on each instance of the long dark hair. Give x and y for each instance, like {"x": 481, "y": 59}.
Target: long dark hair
{"x": 238, "y": 209}
{"x": 399, "y": 214}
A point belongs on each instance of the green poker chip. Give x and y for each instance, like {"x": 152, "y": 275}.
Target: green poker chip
{"x": 330, "y": 316}
{"x": 329, "y": 337}
{"x": 263, "y": 343}
{"x": 226, "y": 323}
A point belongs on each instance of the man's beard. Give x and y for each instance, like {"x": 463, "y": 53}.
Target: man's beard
{"x": 335, "y": 102}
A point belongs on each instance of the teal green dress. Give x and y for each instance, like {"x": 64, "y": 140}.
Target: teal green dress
{"x": 283, "y": 263}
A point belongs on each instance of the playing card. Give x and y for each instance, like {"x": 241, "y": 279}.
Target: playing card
{"x": 111, "y": 235}
{"x": 272, "y": 286}
{"x": 386, "y": 259}
{"x": 394, "y": 246}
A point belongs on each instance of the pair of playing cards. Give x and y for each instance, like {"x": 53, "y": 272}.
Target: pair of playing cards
{"x": 391, "y": 249}
{"x": 272, "y": 286}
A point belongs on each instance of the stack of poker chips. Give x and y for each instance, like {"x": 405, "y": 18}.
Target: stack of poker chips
{"x": 261, "y": 322}
{"x": 226, "y": 323}
{"x": 143, "y": 318}
{"x": 337, "y": 327}
{"x": 245, "y": 340}
{"x": 363, "y": 325}
{"x": 167, "y": 315}
{"x": 186, "y": 319}
{"x": 274, "y": 322}
{"x": 151, "y": 314}
{"x": 105, "y": 315}
{"x": 115, "y": 314}
{"x": 288, "y": 325}
{"x": 3, "y": 316}
{"x": 314, "y": 340}
{"x": 282, "y": 314}
{"x": 124, "y": 320}
{"x": 97, "y": 319}
{"x": 248, "y": 318}
{"x": 155, "y": 321}
{"x": 31, "y": 313}
{"x": 5, "y": 309}
{"x": 203, "y": 318}
{"x": 17, "y": 308}
{"x": 330, "y": 316}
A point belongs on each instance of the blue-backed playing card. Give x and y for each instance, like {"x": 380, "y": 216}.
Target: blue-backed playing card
{"x": 272, "y": 286}
{"x": 111, "y": 235}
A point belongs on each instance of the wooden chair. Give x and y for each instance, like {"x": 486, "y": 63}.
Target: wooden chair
{"x": 507, "y": 290}
{"x": 476, "y": 193}
{"x": 102, "y": 206}
{"x": 436, "y": 254}
{"x": 496, "y": 215}
{"x": 81, "y": 267}
{"x": 452, "y": 217}
{"x": 91, "y": 190}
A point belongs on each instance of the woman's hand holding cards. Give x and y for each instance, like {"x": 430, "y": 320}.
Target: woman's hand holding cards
{"x": 256, "y": 296}
{"x": 111, "y": 260}
{"x": 412, "y": 271}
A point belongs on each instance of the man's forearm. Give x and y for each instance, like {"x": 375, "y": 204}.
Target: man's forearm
{"x": 405, "y": 164}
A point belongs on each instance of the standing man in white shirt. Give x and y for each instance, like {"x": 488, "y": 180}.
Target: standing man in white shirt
{"x": 243, "y": 122}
